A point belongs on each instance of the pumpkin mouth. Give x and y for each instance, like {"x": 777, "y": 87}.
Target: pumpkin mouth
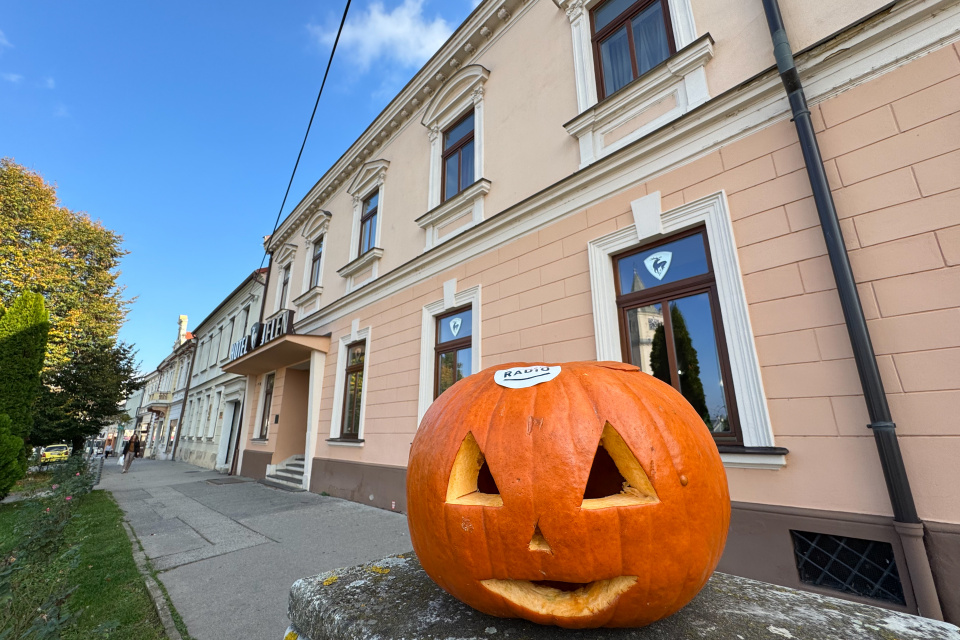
{"x": 562, "y": 599}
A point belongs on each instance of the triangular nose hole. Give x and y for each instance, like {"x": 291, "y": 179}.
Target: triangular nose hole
{"x": 616, "y": 477}
{"x": 538, "y": 542}
{"x": 471, "y": 481}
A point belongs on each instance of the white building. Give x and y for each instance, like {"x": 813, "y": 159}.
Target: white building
{"x": 165, "y": 392}
{"x": 215, "y": 398}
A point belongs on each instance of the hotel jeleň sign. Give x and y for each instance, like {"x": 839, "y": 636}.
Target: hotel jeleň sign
{"x": 263, "y": 332}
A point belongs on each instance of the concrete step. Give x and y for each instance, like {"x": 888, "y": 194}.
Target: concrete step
{"x": 292, "y": 476}
{"x": 293, "y": 465}
{"x": 280, "y": 483}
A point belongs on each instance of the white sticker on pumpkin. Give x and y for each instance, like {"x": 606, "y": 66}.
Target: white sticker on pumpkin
{"x": 523, "y": 377}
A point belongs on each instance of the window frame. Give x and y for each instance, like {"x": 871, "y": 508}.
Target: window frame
{"x": 349, "y": 370}
{"x": 355, "y": 335}
{"x": 268, "y": 386}
{"x": 457, "y": 149}
{"x": 316, "y": 257}
{"x": 285, "y": 275}
{"x": 597, "y": 38}
{"x": 450, "y": 346}
{"x": 364, "y": 217}
{"x": 663, "y": 295}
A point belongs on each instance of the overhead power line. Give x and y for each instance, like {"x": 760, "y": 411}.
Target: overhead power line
{"x": 309, "y": 124}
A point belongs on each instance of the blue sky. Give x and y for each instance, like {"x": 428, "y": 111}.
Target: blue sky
{"x": 177, "y": 123}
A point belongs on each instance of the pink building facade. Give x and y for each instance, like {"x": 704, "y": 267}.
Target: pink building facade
{"x": 572, "y": 180}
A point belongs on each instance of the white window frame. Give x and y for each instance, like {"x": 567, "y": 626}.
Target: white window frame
{"x": 428, "y": 337}
{"x": 665, "y": 93}
{"x": 461, "y": 93}
{"x": 650, "y": 224}
{"x": 336, "y": 420}
{"x": 578, "y": 12}
{"x": 314, "y": 230}
{"x": 371, "y": 177}
{"x": 284, "y": 258}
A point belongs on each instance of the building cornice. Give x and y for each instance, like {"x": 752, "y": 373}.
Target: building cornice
{"x": 482, "y": 28}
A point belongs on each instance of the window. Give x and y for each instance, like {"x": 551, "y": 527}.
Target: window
{"x": 353, "y": 391}
{"x": 229, "y": 341}
{"x": 368, "y": 223}
{"x": 670, "y": 325}
{"x": 458, "y": 155}
{"x": 454, "y": 359}
{"x": 285, "y": 287}
{"x": 630, "y": 37}
{"x": 315, "y": 262}
{"x": 267, "y": 401}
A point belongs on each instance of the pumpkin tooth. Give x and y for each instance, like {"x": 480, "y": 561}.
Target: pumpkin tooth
{"x": 586, "y": 599}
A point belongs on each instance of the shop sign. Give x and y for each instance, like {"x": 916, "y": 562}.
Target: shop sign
{"x": 261, "y": 333}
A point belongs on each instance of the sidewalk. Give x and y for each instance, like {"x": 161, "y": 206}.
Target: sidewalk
{"x": 228, "y": 553}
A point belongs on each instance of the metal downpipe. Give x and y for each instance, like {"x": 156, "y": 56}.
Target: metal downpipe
{"x": 906, "y": 521}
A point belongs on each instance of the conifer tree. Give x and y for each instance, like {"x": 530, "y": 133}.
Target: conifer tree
{"x": 23, "y": 342}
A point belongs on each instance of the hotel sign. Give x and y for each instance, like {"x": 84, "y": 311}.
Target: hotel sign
{"x": 278, "y": 325}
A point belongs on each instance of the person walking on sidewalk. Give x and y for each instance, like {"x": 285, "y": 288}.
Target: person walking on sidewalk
{"x": 130, "y": 450}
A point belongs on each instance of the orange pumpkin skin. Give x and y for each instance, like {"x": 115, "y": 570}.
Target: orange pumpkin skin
{"x": 539, "y": 444}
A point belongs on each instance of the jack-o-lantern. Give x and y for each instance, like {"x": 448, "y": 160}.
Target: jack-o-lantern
{"x": 593, "y": 498}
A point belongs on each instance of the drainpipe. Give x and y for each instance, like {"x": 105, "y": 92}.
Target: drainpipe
{"x": 906, "y": 521}
{"x": 183, "y": 405}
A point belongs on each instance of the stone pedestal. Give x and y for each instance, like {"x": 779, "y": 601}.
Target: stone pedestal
{"x": 393, "y": 598}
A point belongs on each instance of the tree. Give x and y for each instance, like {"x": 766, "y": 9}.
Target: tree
{"x": 86, "y": 394}
{"x": 23, "y": 341}
{"x": 687, "y": 362}
{"x": 65, "y": 256}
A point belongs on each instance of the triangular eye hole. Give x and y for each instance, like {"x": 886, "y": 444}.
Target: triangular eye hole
{"x": 470, "y": 479}
{"x": 616, "y": 477}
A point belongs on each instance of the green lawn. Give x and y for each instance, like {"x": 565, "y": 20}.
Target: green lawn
{"x": 109, "y": 588}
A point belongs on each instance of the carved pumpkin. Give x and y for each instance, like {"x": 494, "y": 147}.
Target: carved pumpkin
{"x": 596, "y": 498}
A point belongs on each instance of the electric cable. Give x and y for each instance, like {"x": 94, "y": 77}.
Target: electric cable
{"x": 307, "y": 133}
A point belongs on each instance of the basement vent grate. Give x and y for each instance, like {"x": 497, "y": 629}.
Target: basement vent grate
{"x": 851, "y": 565}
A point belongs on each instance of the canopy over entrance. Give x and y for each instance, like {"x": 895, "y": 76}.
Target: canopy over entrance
{"x": 281, "y": 352}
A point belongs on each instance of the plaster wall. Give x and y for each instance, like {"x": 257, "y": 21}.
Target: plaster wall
{"x": 891, "y": 148}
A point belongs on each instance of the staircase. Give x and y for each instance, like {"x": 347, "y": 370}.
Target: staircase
{"x": 288, "y": 476}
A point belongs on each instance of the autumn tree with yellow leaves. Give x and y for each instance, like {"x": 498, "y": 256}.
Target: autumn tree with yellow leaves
{"x": 72, "y": 261}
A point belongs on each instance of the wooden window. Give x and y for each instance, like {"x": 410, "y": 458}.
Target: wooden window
{"x": 454, "y": 359}
{"x": 285, "y": 287}
{"x": 630, "y": 37}
{"x": 350, "y": 425}
{"x": 315, "y": 262}
{"x": 368, "y": 223}
{"x": 267, "y": 401}
{"x": 457, "y": 159}
{"x": 671, "y": 327}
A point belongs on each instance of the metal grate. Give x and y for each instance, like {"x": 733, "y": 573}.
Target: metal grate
{"x": 851, "y": 565}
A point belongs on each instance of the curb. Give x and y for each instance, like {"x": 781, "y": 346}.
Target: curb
{"x": 159, "y": 601}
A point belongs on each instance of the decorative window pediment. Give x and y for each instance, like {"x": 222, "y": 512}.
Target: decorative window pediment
{"x": 370, "y": 175}
{"x": 317, "y": 225}
{"x": 454, "y": 97}
{"x": 286, "y": 254}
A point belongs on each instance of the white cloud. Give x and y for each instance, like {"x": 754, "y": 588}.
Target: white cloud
{"x": 403, "y": 35}
{"x": 3, "y": 41}
{"x": 11, "y": 77}
{"x": 49, "y": 83}
{"x": 61, "y": 111}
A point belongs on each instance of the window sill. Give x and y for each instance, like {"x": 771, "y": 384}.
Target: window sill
{"x": 308, "y": 296}
{"x": 468, "y": 202}
{"x": 345, "y": 442}
{"x": 666, "y": 92}
{"x": 259, "y": 441}
{"x": 357, "y": 265}
{"x": 740, "y": 457}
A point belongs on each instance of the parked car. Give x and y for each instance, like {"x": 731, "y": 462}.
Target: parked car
{"x": 55, "y": 453}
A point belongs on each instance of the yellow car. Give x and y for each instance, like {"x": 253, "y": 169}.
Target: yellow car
{"x": 55, "y": 453}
